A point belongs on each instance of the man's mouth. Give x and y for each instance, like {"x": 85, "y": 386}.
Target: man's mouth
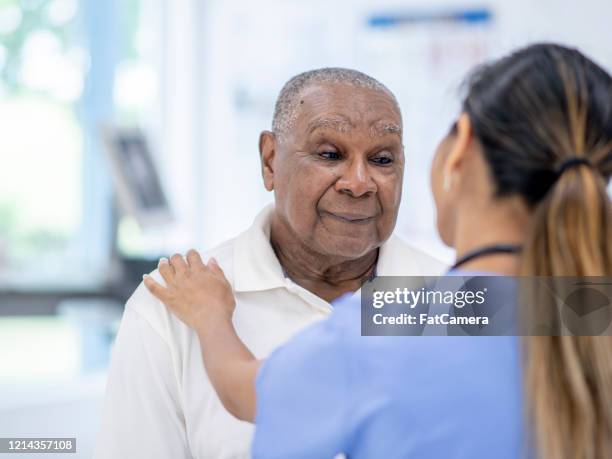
{"x": 349, "y": 217}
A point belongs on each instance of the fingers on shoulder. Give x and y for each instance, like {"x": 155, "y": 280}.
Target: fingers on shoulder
{"x": 166, "y": 270}
{"x": 214, "y": 267}
{"x": 179, "y": 266}
{"x": 194, "y": 259}
{"x": 154, "y": 287}
{"x": 178, "y": 263}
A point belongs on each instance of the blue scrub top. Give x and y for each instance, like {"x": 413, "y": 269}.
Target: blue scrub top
{"x": 331, "y": 390}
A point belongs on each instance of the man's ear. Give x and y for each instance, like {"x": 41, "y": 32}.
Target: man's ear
{"x": 267, "y": 153}
{"x": 460, "y": 147}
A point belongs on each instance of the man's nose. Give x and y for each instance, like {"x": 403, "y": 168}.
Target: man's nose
{"x": 356, "y": 179}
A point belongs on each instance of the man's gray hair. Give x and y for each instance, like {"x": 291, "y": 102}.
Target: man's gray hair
{"x": 288, "y": 102}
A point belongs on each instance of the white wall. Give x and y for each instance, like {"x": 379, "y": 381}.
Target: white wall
{"x": 245, "y": 51}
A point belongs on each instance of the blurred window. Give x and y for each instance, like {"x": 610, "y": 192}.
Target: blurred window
{"x": 66, "y": 68}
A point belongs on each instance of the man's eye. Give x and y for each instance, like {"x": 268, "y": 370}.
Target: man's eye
{"x": 330, "y": 155}
{"x": 382, "y": 160}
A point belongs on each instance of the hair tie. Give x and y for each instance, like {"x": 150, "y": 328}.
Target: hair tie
{"x": 572, "y": 162}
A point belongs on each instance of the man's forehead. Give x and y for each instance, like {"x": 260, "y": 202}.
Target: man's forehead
{"x": 344, "y": 124}
{"x": 345, "y": 107}
{"x": 337, "y": 122}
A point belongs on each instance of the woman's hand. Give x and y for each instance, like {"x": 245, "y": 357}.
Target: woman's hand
{"x": 201, "y": 296}
{"x": 197, "y": 293}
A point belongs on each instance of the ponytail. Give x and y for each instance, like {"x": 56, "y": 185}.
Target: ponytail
{"x": 568, "y": 379}
{"x": 543, "y": 116}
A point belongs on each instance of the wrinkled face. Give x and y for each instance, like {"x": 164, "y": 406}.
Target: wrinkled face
{"x": 338, "y": 175}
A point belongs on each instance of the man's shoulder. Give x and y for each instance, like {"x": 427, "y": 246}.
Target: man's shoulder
{"x": 154, "y": 312}
{"x": 224, "y": 254}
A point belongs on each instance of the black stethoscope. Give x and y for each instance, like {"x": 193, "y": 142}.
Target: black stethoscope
{"x": 487, "y": 250}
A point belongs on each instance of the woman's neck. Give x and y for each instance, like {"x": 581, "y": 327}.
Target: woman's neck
{"x": 502, "y": 222}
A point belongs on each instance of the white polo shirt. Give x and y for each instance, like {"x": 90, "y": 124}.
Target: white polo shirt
{"x": 159, "y": 402}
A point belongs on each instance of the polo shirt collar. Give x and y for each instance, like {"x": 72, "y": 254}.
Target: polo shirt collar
{"x": 256, "y": 266}
{"x": 397, "y": 258}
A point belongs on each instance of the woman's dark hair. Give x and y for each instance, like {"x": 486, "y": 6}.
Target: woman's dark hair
{"x": 533, "y": 111}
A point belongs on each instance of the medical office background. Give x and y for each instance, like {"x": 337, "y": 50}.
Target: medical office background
{"x": 194, "y": 81}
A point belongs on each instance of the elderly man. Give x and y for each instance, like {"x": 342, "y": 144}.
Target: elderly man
{"x": 335, "y": 161}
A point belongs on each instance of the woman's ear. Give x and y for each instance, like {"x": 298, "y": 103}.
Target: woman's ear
{"x": 267, "y": 152}
{"x": 459, "y": 148}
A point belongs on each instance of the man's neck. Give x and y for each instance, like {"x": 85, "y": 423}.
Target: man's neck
{"x": 328, "y": 277}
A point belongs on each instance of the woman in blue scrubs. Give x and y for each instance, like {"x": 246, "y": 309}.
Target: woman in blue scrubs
{"x": 519, "y": 185}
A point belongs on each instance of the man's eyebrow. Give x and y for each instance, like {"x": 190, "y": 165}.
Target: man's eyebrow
{"x": 338, "y": 123}
{"x": 381, "y": 128}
